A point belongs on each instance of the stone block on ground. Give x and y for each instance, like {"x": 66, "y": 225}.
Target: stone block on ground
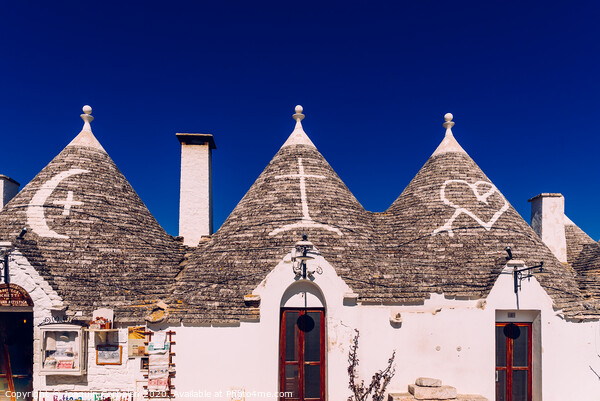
{"x": 400, "y": 397}
{"x": 471, "y": 397}
{"x": 459, "y": 397}
{"x": 432, "y": 393}
{"x": 428, "y": 382}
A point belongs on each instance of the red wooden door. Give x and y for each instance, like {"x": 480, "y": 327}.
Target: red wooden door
{"x": 513, "y": 361}
{"x": 302, "y": 355}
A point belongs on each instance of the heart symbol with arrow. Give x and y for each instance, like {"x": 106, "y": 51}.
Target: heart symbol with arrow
{"x": 482, "y": 191}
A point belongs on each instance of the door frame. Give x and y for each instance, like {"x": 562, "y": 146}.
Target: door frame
{"x": 301, "y": 362}
{"x": 5, "y": 354}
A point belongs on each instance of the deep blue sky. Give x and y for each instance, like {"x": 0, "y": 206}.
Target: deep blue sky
{"x": 375, "y": 79}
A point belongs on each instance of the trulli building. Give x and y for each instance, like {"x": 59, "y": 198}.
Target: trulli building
{"x": 98, "y": 301}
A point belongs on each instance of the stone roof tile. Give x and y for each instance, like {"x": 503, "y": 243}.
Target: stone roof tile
{"x": 583, "y": 253}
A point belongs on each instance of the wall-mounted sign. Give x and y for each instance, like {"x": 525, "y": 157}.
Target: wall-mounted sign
{"x": 109, "y": 354}
{"x": 13, "y": 295}
{"x": 56, "y": 320}
{"x": 85, "y": 395}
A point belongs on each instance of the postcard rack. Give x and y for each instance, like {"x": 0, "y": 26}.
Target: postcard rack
{"x": 168, "y": 392}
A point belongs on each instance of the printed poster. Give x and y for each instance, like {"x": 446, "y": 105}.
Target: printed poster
{"x": 135, "y": 341}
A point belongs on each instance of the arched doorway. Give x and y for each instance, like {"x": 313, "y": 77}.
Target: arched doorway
{"x": 302, "y": 344}
{"x": 16, "y": 343}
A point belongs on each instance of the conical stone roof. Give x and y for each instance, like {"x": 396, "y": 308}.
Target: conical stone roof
{"x": 583, "y": 253}
{"x": 90, "y": 235}
{"x": 95, "y": 242}
{"x": 446, "y": 233}
{"x": 449, "y": 230}
{"x": 297, "y": 193}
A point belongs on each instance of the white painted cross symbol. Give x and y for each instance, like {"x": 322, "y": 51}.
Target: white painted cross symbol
{"x": 306, "y": 220}
{"x": 68, "y": 203}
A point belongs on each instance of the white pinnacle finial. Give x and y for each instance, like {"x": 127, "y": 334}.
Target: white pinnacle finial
{"x": 449, "y": 123}
{"x": 86, "y": 137}
{"x": 87, "y": 118}
{"x": 448, "y": 144}
{"x": 298, "y": 116}
{"x": 298, "y": 136}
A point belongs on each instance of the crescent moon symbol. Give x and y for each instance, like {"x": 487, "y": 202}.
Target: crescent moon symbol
{"x": 35, "y": 210}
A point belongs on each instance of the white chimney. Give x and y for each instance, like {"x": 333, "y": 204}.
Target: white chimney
{"x": 8, "y": 189}
{"x": 195, "y": 196}
{"x": 548, "y": 221}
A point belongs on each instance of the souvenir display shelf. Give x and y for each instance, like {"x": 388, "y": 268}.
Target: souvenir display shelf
{"x": 102, "y": 333}
{"x": 102, "y": 323}
{"x": 64, "y": 349}
{"x": 168, "y": 393}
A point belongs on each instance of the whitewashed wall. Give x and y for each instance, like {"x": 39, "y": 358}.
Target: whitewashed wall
{"x": 453, "y": 340}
